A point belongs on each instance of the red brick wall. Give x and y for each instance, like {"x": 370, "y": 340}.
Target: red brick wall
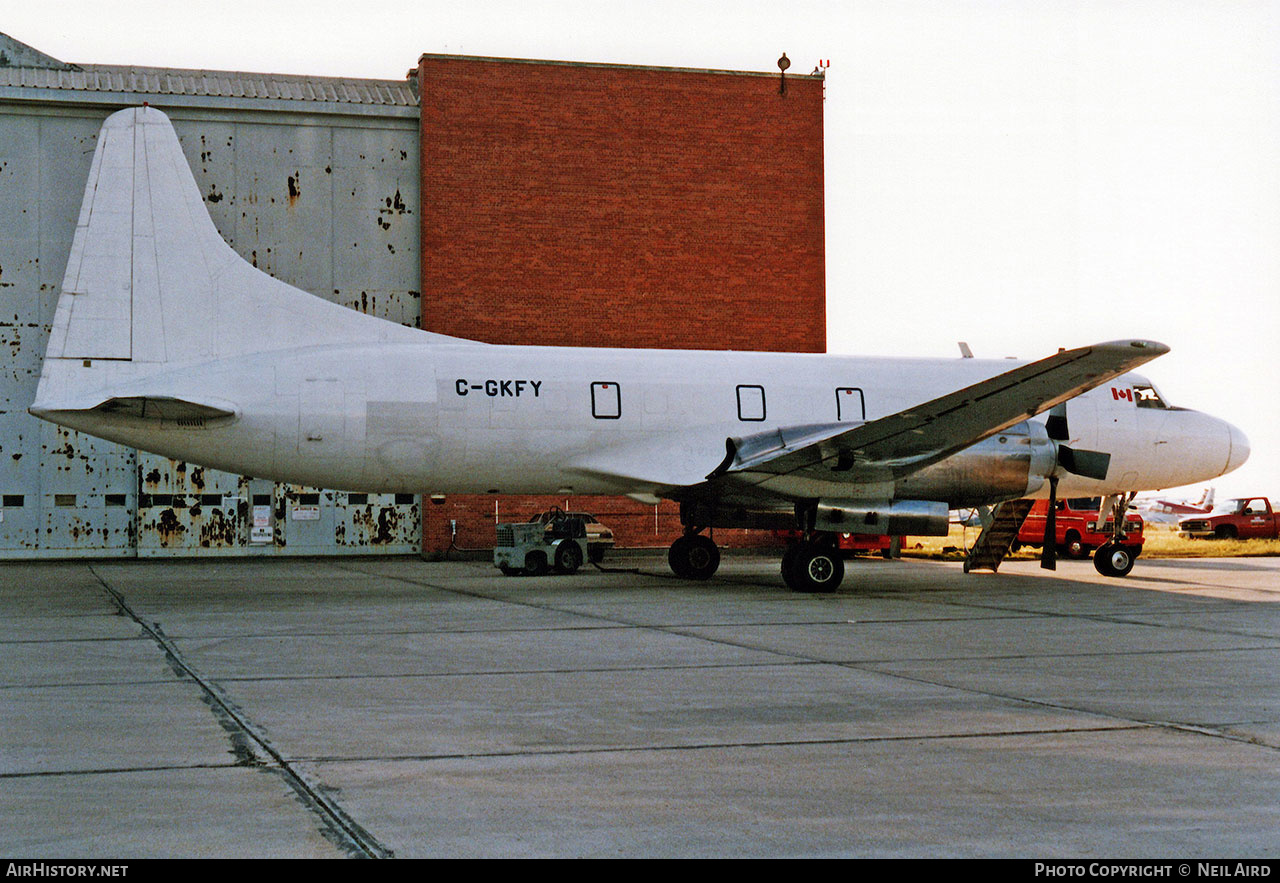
{"x": 595, "y": 205}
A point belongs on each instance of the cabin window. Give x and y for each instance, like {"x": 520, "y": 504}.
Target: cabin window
{"x": 606, "y": 400}
{"x": 115, "y": 499}
{"x": 751, "y": 403}
{"x": 850, "y": 404}
{"x": 13, "y": 501}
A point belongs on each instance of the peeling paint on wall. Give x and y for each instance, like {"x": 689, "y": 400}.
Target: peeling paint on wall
{"x": 291, "y": 192}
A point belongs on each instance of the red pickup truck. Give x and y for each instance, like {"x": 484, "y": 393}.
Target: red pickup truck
{"x": 849, "y": 544}
{"x": 1076, "y": 527}
{"x": 1242, "y": 518}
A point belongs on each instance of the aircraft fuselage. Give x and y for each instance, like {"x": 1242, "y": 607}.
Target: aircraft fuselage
{"x": 472, "y": 418}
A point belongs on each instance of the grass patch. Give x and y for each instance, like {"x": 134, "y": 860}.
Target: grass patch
{"x": 1163, "y": 542}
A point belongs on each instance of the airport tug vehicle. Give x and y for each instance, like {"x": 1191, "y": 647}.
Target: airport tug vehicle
{"x": 534, "y": 548}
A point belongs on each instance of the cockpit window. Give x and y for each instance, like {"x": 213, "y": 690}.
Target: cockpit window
{"x": 1148, "y": 397}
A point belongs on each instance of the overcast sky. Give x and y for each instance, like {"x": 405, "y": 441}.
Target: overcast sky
{"x": 1017, "y": 175}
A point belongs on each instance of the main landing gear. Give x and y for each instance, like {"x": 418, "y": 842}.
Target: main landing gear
{"x": 694, "y": 556}
{"x": 812, "y": 564}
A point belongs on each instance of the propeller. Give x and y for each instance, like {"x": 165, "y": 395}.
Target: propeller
{"x": 1049, "y": 549}
{"x": 1090, "y": 464}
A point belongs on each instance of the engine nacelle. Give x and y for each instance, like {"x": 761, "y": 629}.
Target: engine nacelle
{"x": 1010, "y": 464}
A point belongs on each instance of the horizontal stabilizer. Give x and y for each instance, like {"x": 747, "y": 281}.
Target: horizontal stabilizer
{"x": 163, "y": 408}
{"x": 184, "y": 411}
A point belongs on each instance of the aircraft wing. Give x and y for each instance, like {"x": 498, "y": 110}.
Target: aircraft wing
{"x": 902, "y": 443}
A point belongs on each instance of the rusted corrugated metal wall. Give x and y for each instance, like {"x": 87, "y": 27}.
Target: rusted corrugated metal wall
{"x": 315, "y": 181}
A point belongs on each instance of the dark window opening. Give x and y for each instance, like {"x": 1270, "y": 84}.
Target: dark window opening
{"x": 751, "y": 403}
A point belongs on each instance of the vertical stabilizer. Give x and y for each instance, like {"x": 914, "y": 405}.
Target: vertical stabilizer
{"x": 151, "y": 282}
{"x": 97, "y": 287}
{"x": 145, "y": 253}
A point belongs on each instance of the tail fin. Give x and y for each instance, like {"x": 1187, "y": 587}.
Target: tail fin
{"x": 151, "y": 282}
{"x": 145, "y": 253}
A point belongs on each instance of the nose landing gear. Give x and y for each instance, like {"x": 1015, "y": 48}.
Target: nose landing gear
{"x": 1113, "y": 559}
{"x": 1116, "y": 557}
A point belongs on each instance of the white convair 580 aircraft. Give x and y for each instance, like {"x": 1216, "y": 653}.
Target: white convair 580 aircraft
{"x": 166, "y": 340}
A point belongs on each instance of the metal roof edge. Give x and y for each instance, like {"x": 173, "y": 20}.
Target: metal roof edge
{"x": 197, "y": 87}
{"x": 31, "y": 95}
{"x": 431, "y": 56}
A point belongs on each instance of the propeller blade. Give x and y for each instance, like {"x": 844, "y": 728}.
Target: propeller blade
{"x": 1090, "y": 464}
{"x": 1049, "y": 550}
{"x": 1056, "y": 424}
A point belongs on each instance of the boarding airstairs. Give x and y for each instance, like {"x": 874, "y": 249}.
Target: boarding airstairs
{"x": 998, "y": 535}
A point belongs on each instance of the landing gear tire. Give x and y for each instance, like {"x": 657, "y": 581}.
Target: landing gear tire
{"x": 694, "y": 556}
{"x": 568, "y": 557}
{"x": 812, "y": 568}
{"x": 788, "y": 567}
{"x": 1113, "y": 559}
